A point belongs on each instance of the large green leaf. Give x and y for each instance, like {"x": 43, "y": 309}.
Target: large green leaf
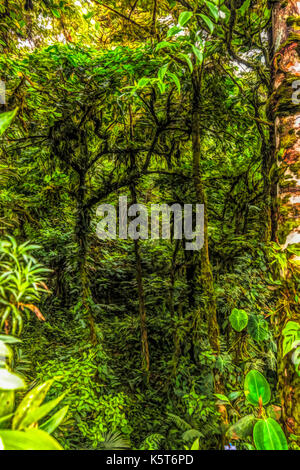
{"x": 268, "y": 435}
{"x": 32, "y": 439}
{"x": 6, "y": 119}
{"x": 258, "y": 328}
{"x": 30, "y": 402}
{"x": 256, "y": 387}
{"x": 36, "y": 414}
{"x": 238, "y": 319}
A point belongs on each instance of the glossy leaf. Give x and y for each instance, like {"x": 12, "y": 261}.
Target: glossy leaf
{"x": 30, "y": 402}
{"x": 39, "y": 413}
{"x": 32, "y": 439}
{"x": 51, "y": 424}
{"x": 268, "y": 435}
{"x": 256, "y": 387}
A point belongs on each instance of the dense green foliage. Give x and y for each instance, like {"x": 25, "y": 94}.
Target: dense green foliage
{"x": 142, "y": 344}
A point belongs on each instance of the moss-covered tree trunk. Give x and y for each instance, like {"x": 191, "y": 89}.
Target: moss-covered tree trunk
{"x": 141, "y": 294}
{"x": 81, "y": 233}
{"x": 205, "y": 274}
{"x": 286, "y": 114}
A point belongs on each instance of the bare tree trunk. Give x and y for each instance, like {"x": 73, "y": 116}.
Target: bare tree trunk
{"x": 286, "y": 116}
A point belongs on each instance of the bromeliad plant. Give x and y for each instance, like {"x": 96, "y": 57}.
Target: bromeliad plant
{"x": 267, "y": 433}
{"x": 24, "y": 427}
{"x": 21, "y": 284}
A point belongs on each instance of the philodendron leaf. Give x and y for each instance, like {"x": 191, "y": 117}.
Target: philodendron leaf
{"x": 10, "y": 381}
{"x": 32, "y": 439}
{"x": 242, "y": 428}
{"x": 258, "y": 328}
{"x": 6, "y": 119}
{"x": 268, "y": 435}
{"x": 238, "y": 319}
{"x": 256, "y": 387}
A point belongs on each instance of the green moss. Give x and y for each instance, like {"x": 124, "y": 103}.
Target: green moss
{"x": 281, "y": 99}
{"x": 288, "y": 141}
{"x": 293, "y": 21}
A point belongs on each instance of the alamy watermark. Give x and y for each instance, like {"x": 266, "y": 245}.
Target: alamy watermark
{"x": 176, "y": 221}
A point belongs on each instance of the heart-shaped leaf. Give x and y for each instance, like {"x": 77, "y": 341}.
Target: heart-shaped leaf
{"x": 238, "y": 319}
